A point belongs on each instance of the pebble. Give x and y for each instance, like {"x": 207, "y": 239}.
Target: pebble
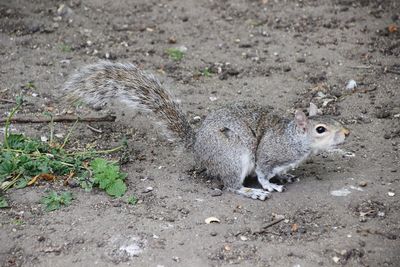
{"x": 351, "y": 85}
{"x": 196, "y": 118}
{"x": 336, "y": 259}
{"x": 216, "y": 193}
{"x": 391, "y": 194}
{"x": 301, "y": 60}
{"x": 243, "y": 238}
{"x": 363, "y": 183}
{"x": 148, "y": 189}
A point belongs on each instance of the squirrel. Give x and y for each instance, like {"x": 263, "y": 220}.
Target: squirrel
{"x": 232, "y": 143}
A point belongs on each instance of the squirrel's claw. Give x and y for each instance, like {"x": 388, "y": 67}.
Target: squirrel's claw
{"x": 267, "y": 185}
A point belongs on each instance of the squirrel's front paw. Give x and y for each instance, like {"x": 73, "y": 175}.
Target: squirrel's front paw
{"x": 267, "y": 185}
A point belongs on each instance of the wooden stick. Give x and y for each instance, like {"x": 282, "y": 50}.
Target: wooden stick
{"x": 7, "y": 100}
{"x": 272, "y": 223}
{"x": 393, "y": 71}
{"x": 265, "y": 227}
{"x": 66, "y": 118}
{"x": 94, "y": 129}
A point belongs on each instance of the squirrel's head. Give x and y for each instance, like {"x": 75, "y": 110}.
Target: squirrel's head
{"x": 324, "y": 132}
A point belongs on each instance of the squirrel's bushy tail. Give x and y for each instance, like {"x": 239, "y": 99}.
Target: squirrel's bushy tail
{"x": 100, "y": 83}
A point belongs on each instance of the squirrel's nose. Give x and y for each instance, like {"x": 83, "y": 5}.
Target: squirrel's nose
{"x": 346, "y": 132}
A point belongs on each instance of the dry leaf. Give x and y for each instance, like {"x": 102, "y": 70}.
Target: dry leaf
{"x": 45, "y": 176}
{"x": 294, "y": 227}
{"x": 392, "y": 28}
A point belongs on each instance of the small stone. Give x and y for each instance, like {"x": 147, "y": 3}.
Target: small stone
{"x": 216, "y": 193}
{"x": 287, "y": 69}
{"x": 213, "y": 233}
{"x": 363, "y": 183}
{"x": 383, "y": 114}
{"x": 41, "y": 238}
{"x": 148, "y": 189}
{"x": 351, "y": 85}
{"x": 391, "y": 194}
{"x": 172, "y": 40}
{"x": 196, "y": 118}
{"x": 301, "y": 60}
{"x": 243, "y": 238}
{"x": 336, "y": 259}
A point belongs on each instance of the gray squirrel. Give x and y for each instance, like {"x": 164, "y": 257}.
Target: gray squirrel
{"x": 232, "y": 143}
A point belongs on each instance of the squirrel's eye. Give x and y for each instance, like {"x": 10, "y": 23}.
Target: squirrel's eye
{"x": 320, "y": 129}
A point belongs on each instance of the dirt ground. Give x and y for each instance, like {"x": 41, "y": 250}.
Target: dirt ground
{"x": 342, "y": 210}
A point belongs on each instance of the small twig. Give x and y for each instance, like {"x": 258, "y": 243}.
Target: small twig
{"x": 69, "y": 133}
{"x": 94, "y": 129}
{"x": 393, "y": 71}
{"x": 265, "y": 227}
{"x": 59, "y": 119}
{"x": 7, "y": 100}
{"x": 360, "y": 67}
{"x": 112, "y": 150}
{"x": 51, "y": 129}
{"x": 272, "y": 223}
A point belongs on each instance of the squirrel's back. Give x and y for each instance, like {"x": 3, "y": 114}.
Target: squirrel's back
{"x": 100, "y": 83}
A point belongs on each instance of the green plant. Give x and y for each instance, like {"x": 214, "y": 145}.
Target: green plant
{"x": 206, "y": 72}
{"x": 17, "y": 222}
{"x": 25, "y": 161}
{"x": 175, "y": 54}
{"x": 3, "y": 202}
{"x": 54, "y": 201}
{"x": 29, "y": 85}
{"x": 65, "y": 48}
{"x": 132, "y": 200}
{"x": 106, "y": 175}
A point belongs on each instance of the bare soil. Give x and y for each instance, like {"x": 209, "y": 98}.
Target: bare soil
{"x": 278, "y": 53}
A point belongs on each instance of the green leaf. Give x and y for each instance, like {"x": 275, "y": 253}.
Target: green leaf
{"x": 175, "y": 54}
{"x": 7, "y": 167}
{"x": 54, "y": 201}
{"x": 3, "y": 202}
{"x": 116, "y": 189}
{"x": 16, "y": 141}
{"x": 106, "y": 176}
{"x": 21, "y": 183}
{"x": 132, "y": 200}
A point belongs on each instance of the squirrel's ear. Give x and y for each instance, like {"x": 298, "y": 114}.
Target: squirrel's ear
{"x": 301, "y": 119}
{"x": 313, "y": 110}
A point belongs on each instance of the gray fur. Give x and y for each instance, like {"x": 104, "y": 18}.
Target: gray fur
{"x": 232, "y": 143}
{"x": 100, "y": 83}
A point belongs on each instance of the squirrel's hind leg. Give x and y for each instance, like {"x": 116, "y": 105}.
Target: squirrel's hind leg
{"x": 253, "y": 193}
